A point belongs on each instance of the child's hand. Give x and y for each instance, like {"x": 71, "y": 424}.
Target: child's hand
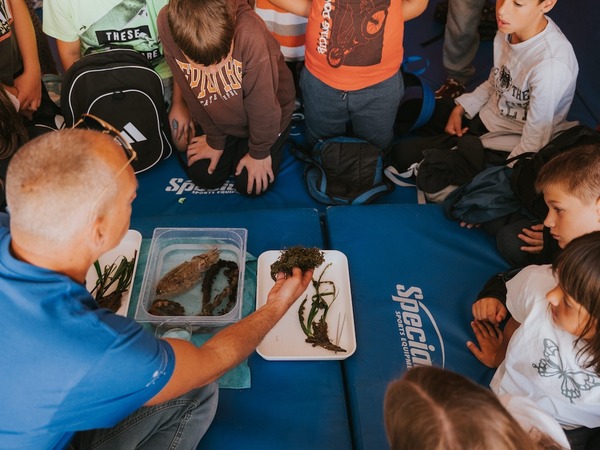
{"x": 199, "y": 149}
{"x": 260, "y": 172}
{"x": 490, "y": 309}
{"x": 29, "y": 88}
{"x": 533, "y": 237}
{"x": 182, "y": 126}
{"x": 469, "y": 225}
{"x": 454, "y": 125}
{"x": 489, "y": 337}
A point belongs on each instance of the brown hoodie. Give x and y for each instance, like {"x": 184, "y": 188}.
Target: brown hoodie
{"x": 251, "y": 96}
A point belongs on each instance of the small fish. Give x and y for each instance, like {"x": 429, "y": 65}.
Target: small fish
{"x": 187, "y": 274}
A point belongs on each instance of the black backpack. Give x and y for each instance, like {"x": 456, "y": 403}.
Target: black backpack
{"x": 344, "y": 171}
{"x": 120, "y": 87}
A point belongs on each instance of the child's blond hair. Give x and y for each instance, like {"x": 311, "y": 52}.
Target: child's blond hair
{"x": 577, "y": 171}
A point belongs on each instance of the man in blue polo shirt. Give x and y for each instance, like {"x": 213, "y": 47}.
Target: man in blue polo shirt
{"x": 77, "y": 375}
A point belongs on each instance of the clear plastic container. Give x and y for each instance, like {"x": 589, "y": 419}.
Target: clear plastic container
{"x": 171, "y": 247}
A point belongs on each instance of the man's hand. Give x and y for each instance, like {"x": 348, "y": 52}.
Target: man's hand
{"x": 454, "y": 125}
{"x": 288, "y": 289}
{"x": 199, "y": 149}
{"x": 490, "y": 338}
{"x": 260, "y": 172}
{"x": 489, "y": 309}
{"x": 533, "y": 237}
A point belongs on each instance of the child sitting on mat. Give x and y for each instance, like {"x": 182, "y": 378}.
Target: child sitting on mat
{"x": 526, "y": 98}
{"x": 430, "y": 408}
{"x": 549, "y": 350}
{"x": 570, "y": 183}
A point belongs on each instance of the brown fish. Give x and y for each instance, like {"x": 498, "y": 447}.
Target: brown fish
{"x": 187, "y": 274}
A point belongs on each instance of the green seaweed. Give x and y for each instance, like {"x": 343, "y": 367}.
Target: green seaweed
{"x": 301, "y": 257}
{"x": 316, "y": 329}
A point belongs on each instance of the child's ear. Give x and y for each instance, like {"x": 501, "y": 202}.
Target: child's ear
{"x": 547, "y": 5}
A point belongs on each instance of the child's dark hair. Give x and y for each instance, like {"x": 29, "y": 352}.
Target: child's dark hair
{"x": 577, "y": 171}
{"x": 12, "y": 135}
{"x": 12, "y": 131}
{"x": 202, "y": 29}
{"x": 431, "y": 408}
{"x": 578, "y": 269}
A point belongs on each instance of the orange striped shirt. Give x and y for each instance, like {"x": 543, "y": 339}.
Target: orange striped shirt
{"x": 287, "y": 28}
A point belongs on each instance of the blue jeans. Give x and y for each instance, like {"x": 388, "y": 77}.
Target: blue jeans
{"x": 370, "y": 111}
{"x": 176, "y": 424}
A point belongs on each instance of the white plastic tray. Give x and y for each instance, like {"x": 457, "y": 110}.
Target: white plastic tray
{"x": 286, "y": 341}
{"x": 130, "y": 243}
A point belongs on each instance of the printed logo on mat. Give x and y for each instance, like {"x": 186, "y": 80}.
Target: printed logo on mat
{"x": 179, "y": 186}
{"x": 420, "y": 336}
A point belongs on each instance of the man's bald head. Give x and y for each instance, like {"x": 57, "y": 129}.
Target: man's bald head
{"x": 56, "y": 180}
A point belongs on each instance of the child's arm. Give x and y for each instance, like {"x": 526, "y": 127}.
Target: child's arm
{"x": 69, "y": 52}
{"x": 298, "y": 7}
{"x": 472, "y": 102}
{"x": 492, "y": 341}
{"x": 413, "y": 8}
{"x": 29, "y": 83}
{"x": 490, "y": 309}
{"x": 454, "y": 125}
{"x": 550, "y": 98}
{"x": 491, "y": 300}
{"x": 180, "y": 120}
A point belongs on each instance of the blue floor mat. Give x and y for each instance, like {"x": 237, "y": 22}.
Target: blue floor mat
{"x": 299, "y": 404}
{"x": 414, "y": 275}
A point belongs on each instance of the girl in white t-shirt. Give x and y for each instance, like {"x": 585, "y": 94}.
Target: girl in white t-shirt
{"x": 549, "y": 350}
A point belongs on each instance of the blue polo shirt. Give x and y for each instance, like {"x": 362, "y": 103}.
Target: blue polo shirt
{"x": 65, "y": 364}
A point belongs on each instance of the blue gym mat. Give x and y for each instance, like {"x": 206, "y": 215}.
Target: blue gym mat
{"x": 166, "y": 190}
{"x": 290, "y": 404}
{"x": 414, "y": 275}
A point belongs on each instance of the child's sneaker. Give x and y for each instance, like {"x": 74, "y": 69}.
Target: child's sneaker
{"x": 450, "y": 89}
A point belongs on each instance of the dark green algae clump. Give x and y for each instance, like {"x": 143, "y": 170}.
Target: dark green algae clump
{"x": 301, "y": 257}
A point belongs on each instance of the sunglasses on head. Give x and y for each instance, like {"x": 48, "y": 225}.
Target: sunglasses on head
{"x": 91, "y": 122}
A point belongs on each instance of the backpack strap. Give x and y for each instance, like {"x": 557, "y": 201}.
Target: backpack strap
{"x": 401, "y": 179}
{"x": 422, "y": 91}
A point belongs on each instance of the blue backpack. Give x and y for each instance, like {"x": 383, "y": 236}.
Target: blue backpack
{"x": 344, "y": 171}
